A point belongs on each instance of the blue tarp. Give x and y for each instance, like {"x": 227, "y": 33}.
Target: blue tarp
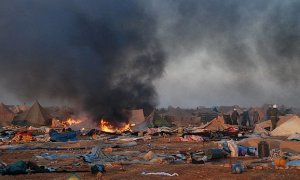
{"x": 55, "y": 156}
{"x": 93, "y": 155}
{"x": 293, "y": 163}
{"x": 63, "y": 137}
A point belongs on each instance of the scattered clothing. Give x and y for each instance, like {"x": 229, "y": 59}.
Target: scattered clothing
{"x": 98, "y": 168}
{"x": 54, "y": 156}
{"x": 160, "y": 173}
{"x": 63, "y": 137}
{"x": 189, "y": 138}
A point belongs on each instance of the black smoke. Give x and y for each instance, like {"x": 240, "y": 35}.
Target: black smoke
{"x": 102, "y": 56}
{"x": 106, "y": 55}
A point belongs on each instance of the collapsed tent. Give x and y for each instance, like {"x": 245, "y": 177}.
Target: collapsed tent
{"x": 217, "y": 124}
{"x": 6, "y": 115}
{"x": 136, "y": 116}
{"x": 289, "y": 127}
{"x": 142, "y": 126}
{"x": 265, "y": 126}
{"x": 35, "y": 116}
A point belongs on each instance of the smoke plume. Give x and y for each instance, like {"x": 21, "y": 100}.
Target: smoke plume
{"x": 230, "y": 52}
{"x": 102, "y": 56}
{"x": 110, "y": 55}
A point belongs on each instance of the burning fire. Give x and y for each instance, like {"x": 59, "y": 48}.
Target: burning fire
{"x": 71, "y": 121}
{"x": 105, "y": 126}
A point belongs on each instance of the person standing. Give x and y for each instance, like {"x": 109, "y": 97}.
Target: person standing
{"x": 256, "y": 117}
{"x": 274, "y": 116}
{"x": 245, "y": 118}
{"x": 235, "y": 116}
{"x": 268, "y": 113}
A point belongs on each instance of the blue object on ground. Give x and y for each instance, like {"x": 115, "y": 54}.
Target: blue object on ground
{"x": 93, "y": 155}
{"x": 242, "y": 150}
{"x": 293, "y": 163}
{"x": 54, "y": 156}
{"x": 63, "y": 137}
{"x": 237, "y": 168}
{"x": 97, "y": 168}
{"x": 19, "y": 167}
{"x": 251, "y": 151}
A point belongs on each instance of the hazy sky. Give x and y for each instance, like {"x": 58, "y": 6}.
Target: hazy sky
{"x": 199, "y": 52}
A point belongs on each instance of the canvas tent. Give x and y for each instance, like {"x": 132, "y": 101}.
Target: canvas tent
{"x": 136, "y": 116}
{"x": 287, "y": 128}
{"x": 35, "y": 116}
{"x": 217, "y": 124}
{"x": 265, "y": 126}
{"x": 143, "y": 126}
{"x": 6, "y": 115}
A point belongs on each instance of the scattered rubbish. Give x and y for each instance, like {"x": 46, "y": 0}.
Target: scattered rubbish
{"x": 62, "y": 137}
{"x": 243, "y": 150}
{"x": 54, "y": 156}
{"x": 275, "y": 153}
{"x": 237, "y": 168}
{"x": 189, "y": 138}
{"x": 93, "y": 155}
{"x": 215, "y": 153}
{"x": 23, "y": 167}
{"x": 23, "y": 137}
{"x": 98, "y": 168}
{"x": 231, "y": 148}
{"x": 280, "y": 162}
{"x": 159, "y": 173}
{"x": 95, "y": 150}
{"x": 293, "y": 163}
{"x": 150, "y": 155}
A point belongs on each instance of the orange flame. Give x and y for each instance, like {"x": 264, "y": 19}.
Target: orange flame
{"x": 105, "y": 126}
{"x": 71, "y": 121}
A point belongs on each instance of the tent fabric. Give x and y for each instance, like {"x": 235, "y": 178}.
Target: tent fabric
{"x": 36, "y": 116}
{"x": 260, "y": 128}
{"x": 291, "y": 126}
{"x": 136, "y": 116}
{"x": 148, "y": 122}
{"x": 6, "y": 115}
{"x": 217, "y": 124}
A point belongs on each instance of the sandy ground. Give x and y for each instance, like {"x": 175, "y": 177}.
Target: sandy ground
{"x": 213, "y": 170}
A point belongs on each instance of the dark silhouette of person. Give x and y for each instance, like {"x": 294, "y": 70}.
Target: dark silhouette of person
{"x": 268, "y": 113}
{"x": 235, "y": 116}
{"x": 256, "y": 117}
{"x": 245, "y": 118}
{"x": 274, "y": 116}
